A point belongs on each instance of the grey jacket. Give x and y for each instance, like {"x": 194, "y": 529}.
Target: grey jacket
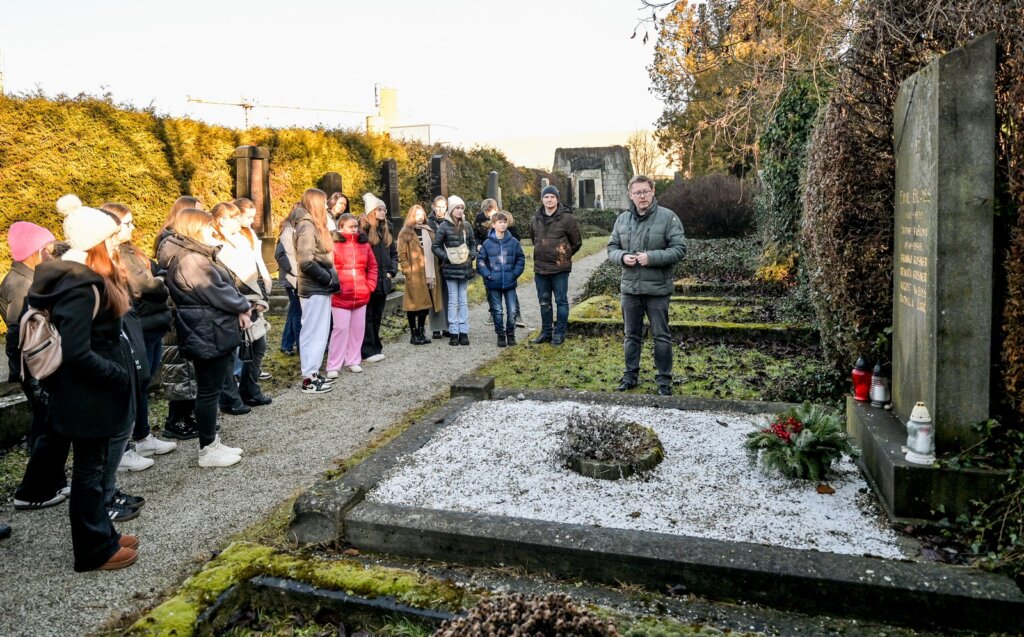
{"x": 659, "y": 233}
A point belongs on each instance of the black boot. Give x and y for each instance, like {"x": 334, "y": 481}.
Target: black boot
{"x": 463, "y": 339}
{"x": 510, "y": 338}
{"x": 453, "y": 339}
{"x": 424, "y": 339}
{"x": 185, "y": 429}
{"x": 501, "y": 340}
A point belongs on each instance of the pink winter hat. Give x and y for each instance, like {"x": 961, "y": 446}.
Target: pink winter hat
{"x": 25, "y": 239}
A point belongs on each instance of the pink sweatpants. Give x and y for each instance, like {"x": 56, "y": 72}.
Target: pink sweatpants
{"x": 346, "y": 338}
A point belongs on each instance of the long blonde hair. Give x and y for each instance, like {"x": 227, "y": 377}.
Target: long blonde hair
{"x": 369, "y": 225}
{"x": 314, "y": 201}
{"x": 181, "y": 203}
{"x": 410, "y": 217}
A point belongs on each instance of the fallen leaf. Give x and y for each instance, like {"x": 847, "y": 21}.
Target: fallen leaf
{"x": 824, "y": 489}
{"x": 678, "y": 589}
{"x": 634, "y": 514}
{"x": 722, "y": 422}
{"x": 931, "y": 554}
{"x": 350, "y": 552}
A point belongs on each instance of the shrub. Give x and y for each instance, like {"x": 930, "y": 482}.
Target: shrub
{"x": 719, "y": 260}
{"x": 519, "y": 614}
{"x": 801, "y": 443}
{"x": 603, "y": 281}
{"x": 712, "y": 206}
{"x": 602, "y": 218}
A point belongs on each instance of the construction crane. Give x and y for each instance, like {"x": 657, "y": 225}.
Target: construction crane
{"x": 247, "y": 106}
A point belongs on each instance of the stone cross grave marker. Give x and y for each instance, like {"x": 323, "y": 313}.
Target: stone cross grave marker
{"x": 944, "y": 137}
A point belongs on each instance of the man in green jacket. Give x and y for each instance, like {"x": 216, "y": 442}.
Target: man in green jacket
{"x": 647, "y": 241}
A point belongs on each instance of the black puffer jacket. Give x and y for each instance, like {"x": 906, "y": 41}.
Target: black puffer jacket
{"x": 149, "y": 294}
{"x": 315, "y": 260}
{"x": 207, "y": 303}
{"x": 92, "y": 392}
{"x": 448, "y": 237}
{"x": 556, "y": 238}
{"x": 387, "y": 263}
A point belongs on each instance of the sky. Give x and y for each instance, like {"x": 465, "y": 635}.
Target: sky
{"x": 524, "y": 76}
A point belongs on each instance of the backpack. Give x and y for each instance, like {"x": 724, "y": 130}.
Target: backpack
{"x": 40, "y": 341}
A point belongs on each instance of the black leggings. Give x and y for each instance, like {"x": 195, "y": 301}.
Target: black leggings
{"x": 210, "y": 374}
{"x": 417, "y": 319}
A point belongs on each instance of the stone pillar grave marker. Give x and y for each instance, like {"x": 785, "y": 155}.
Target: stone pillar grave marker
{"x": 944, "y": 137}
{"x": 252, "y": 181}
{"x": 438, "y": 176}
{"x": 493, "y": 189}
{"x": 331, "y": 183}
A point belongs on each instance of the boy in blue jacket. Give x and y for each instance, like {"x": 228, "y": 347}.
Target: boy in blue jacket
{"x": 500, "y": 263}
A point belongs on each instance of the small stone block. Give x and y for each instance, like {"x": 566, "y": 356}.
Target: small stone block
{"x": 319, "y": 513}
{"x": 478, "y": 387}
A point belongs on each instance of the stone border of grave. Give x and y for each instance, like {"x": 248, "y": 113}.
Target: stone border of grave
{"x": 916, "y": 594}
{"x": 720, "y": 330}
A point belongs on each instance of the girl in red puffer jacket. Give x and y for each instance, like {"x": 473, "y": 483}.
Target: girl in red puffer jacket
{"x": 357, "y": 274}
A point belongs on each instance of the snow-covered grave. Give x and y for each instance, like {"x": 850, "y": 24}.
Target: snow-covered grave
{"x": 498, "y": 457}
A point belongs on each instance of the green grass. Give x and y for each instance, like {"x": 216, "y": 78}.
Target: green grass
{"x": 776, "y": 372}
{"x": 12, "y": 468}
{"x": 609, "y": 307}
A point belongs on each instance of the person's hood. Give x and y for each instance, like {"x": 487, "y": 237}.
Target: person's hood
{"x": 647, "y": 215}
{"x": 494, "y": 235}
{"x": 176, "y": 246}
{"x": 54, "y": 278}
{"x": 301, "y": 214}
{"x": 341, "y": 237}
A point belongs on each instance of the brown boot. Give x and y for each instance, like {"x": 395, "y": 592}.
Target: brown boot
{"x": 124, "y": 557}
{"x": 129, "y": 542}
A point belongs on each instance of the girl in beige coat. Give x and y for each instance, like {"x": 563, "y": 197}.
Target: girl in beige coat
{"x": 422, "y": 273}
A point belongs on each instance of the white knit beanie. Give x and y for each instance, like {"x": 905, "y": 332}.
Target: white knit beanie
{"x": 455, "y": 200}
{"x": 84, "y": 227}
{"x": 371, "y": 203}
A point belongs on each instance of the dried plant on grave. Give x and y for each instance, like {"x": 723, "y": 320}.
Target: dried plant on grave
{"x": 800, "y": 443}
{"x": 520, "y": 614}
{"x": 605, "y": 436}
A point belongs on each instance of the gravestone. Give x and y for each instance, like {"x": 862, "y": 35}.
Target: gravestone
{"x": 438, "y": 176}
{"x": 252, "y": 181}
{"x": 331, "y": 183}
{"x": 493, "y": 190}
{"x": 944, "y": 138}
{"x": 389, "y": 181}
{"x": 544, "y": 183}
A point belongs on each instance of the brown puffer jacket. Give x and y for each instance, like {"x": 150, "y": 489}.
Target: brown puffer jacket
{"x": 555, "y": 239}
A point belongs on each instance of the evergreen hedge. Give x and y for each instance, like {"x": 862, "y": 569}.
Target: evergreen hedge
{"x": 102, "y": 152}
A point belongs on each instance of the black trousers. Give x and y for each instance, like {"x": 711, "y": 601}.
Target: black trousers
{"x": 93, "y": 537}
{"x": 48, "y": 452}
{"x": 210, "y": 377}
{"x": 374, "y": 315}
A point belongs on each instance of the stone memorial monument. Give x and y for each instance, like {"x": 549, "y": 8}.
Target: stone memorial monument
{"x": 493, "y": 189}
{"x": 944, "y": 140}
{"x": 438, "y": 176}
{"x": 252, "y": 181}
{"x": 389, "y": 194}
{"x": 331, "y": 183}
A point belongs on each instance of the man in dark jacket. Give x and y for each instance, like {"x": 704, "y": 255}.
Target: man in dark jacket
{"x": 647, "y": 241}
{"x": 556, "y": 237}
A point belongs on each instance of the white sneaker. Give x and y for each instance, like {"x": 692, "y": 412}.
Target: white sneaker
{"x": 376, "y": 358}
{"x": 131, "y": 461}
{"x": 217, "y": 456}
{"x": 355, "y": 369}
{"x": 332, "y": 373}
{"x": 151, "y": 445}
{"x": 232, "y": 450}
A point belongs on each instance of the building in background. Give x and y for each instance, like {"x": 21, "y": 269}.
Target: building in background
{"x": 598, "y": 170}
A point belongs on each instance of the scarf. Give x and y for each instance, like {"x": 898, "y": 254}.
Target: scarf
{"x": 428, "y": 253}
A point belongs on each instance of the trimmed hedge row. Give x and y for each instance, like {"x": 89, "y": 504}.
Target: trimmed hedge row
{"x": 107, "y": 152}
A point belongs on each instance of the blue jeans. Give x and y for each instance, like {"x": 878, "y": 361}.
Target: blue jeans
{"x": 154, "y": 347}
{"x": 494, "y": 298}
{"x": 557, "y": 284}
{"x": 292, "y": 324}
{"x": 458, "y": 306}
{"x": 634, "y": 306}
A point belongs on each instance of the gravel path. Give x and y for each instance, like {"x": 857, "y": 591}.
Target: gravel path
{"x": 191, "y": 511}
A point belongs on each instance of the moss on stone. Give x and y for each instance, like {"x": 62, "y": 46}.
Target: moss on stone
{"x": 242, "y": 560}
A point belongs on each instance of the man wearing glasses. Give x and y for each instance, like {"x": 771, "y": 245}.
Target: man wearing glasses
{"x": 647, "y": 241}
